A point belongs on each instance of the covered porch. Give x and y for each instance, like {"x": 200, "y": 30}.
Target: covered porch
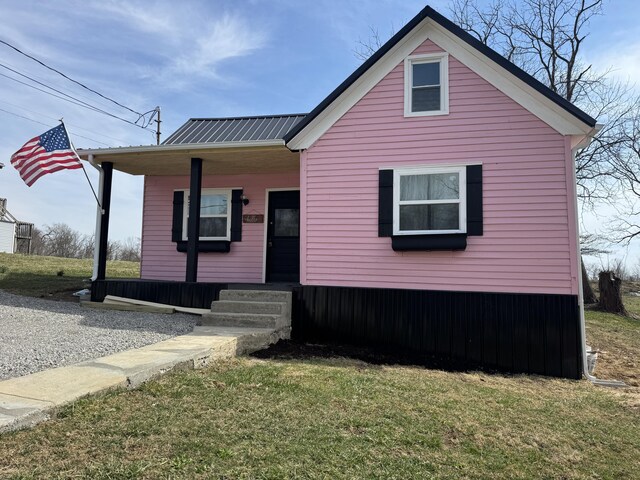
{"x": 218, "y": 208}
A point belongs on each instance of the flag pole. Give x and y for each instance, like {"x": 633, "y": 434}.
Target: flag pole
{"x": 81, "y": 164}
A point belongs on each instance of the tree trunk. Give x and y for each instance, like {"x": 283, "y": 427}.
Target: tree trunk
{"x": 587, "y": 292}
{"x": 610, "y": 294}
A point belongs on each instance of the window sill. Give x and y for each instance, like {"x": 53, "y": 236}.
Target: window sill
{"x": 429, "y": 113}
{"x": 213, "y": 246}
{"x": 447, "y": 241}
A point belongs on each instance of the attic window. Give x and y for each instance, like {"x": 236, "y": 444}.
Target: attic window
{"x": 426, "y": 89}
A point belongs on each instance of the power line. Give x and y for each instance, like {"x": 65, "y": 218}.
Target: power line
{"x": 22, "y": 116}
{"x": 79, "y": 103}
{"x": 50, "y": 126}
{"x": 53, "y": 89}
{"x": 43, "y": 81}
{"x": 44, "y": 91}
{"x": 70, "y": 79}
{"x": 76, "y": 127}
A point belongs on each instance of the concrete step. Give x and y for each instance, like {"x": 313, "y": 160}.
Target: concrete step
{"x": 234, "y": 306}
{"x": 226, "y": 319}
{"x": 256, "y": 295}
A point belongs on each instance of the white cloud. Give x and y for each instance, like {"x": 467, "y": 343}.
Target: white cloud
{"x": 137, "y": 54}
{"x": 154, "y": 18}
{"x": 228, "y": 37}
{"x": 192, "y": 42}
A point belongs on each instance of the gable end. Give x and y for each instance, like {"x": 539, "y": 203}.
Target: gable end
{"x": 547, "y": 105}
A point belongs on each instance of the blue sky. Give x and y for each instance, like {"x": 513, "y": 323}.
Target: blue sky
{"x": 197, "y": 59}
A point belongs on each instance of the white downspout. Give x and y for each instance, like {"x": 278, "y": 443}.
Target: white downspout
{"x": 583, "y": 328}
{"x": 99, "y": 213}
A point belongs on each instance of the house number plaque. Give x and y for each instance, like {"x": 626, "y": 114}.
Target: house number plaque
{"x": 253, "y": 218}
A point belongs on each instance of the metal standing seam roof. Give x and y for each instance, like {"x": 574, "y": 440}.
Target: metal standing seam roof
{"x": 234, "y": 129}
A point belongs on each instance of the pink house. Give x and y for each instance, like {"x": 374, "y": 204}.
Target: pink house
{"x": 428, "y": 204}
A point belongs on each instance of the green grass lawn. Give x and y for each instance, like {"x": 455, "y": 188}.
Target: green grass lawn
{"x": 311, "y": 417}
{"x": 37, "y": 276}
{"x": 335, "y": 418}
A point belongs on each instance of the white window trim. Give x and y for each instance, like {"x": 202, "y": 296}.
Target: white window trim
{"x": 461, "y": 170}
{"x": 207, "y": 191}
{"x": 443, "y": 59}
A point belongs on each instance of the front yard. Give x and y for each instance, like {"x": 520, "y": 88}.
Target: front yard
{"x": 308, "y": 416}
{"x": 53, "y": 277}
{"x": 311, "y": 417}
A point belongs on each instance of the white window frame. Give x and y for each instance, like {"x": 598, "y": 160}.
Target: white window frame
{"x": 461, "y": 170}
{"x": 207, "y": 191}
{"x": 409, "y": 62}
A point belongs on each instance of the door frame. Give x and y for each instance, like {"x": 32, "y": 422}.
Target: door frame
{"x": 266, "y": 225}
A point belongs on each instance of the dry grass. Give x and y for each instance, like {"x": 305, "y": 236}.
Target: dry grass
{"x": 54, "y": 277}
{"x": 334, "y": 418}
{"x": 617, "y": 340}
{"x": 340, "y": 418}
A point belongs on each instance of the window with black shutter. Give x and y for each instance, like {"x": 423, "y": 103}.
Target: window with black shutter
{"x": 430, "y": 208}
{"x": 220, "y": 219}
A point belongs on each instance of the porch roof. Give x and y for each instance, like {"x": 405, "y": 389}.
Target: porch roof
{"x": 234, "y": 129}
{"x": 226, "y": 146}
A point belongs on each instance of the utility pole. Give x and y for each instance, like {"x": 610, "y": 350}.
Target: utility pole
{"x": 158, "y": 122}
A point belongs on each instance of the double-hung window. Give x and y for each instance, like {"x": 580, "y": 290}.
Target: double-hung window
{"x": 426, "y": 84}
{"x": 429, "y": 200}
{"x": 215, "y": 215}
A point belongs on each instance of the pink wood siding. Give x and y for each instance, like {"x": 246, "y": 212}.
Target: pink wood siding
{"x": 528, "y": 243}
{"x": 243, "y": 263}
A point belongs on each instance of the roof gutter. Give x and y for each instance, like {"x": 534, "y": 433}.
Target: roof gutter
{"x": 99, "y": 213}
{"x": 84, "y": 153}
{"x": 583, "y": 333}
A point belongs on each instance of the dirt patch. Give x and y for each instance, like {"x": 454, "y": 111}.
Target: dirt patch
{"x": 63, "y": 295}
{"x": 294, "y": 350}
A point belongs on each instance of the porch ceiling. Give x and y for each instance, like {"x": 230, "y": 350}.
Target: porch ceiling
{"x": 175, "y": 160}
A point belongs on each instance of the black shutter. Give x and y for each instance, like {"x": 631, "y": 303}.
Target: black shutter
{"x": 236, "y": 215}
{"x": 474, "y": 200}
{"x": 178, "y": 208}
{"x": 385, "y": 203}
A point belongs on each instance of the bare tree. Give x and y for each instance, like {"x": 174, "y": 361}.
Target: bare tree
{"x": 591, "y": 245}
{"x": 627, "y": 222}
{"x": 60, "y": 240}
{"x": 610, "y": 286}
{"x": 130, "y": 250}
{"x": 37, "y": 242}
{"x": 617, "y": 266}
{"x": 546, "y": 38}
{"x": 365, "y": 48}
{"x": 86, "y": 246}
{"x": 113, "y": 249}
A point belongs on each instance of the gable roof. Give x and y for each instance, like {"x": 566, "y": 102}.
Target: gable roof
{"x": 430, "y": 13}
{"x": 233, "y": 129}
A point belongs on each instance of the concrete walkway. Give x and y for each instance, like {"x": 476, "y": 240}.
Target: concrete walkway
{"x": 27, "y": 400}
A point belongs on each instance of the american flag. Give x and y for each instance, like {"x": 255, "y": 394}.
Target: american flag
{"x": 46, "y": 153}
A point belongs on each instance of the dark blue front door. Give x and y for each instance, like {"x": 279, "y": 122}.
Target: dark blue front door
{"x": 283, "y": 237}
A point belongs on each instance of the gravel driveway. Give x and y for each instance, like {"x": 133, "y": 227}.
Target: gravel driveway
{"x": 38, "y": 334}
